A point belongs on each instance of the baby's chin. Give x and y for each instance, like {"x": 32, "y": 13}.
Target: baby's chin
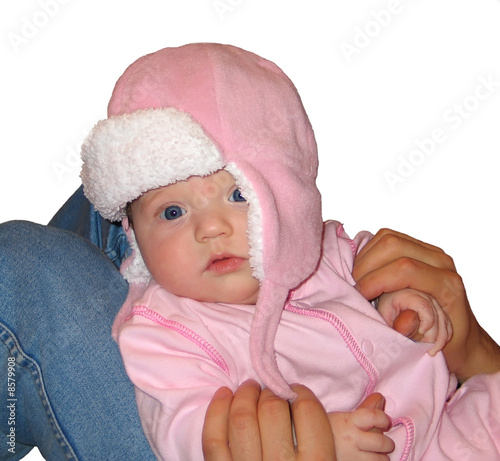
{"x": 244, "y": 295}
{"x": 237, "y": 288}
{"x": 244, "y": 291}
{"x": 249, "y": 300}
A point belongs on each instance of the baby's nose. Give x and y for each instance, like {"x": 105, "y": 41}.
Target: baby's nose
{"x": 213, "y": 224}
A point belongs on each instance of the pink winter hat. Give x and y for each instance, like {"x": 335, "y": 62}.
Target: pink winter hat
{"x": 194, "y": 110}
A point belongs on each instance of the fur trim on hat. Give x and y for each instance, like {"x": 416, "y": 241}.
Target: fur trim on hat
{"x": 254, "y": 226}
{"x": 119, "y": 166}
{"x": 134, "y": 269}
{"x": 129, "y": 154}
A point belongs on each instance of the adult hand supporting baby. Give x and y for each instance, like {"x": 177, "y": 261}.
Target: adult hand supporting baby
{"x": 393, "y": 261}
{"x": 256, "y": 425}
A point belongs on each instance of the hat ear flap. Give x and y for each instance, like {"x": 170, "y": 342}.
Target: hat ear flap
{"x": 134, "y": 268}
{"x": 136, "y": 276}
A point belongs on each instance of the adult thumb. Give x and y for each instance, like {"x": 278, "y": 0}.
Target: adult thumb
{"x": 375, "y": 401}
{"x": 407, "y": 323}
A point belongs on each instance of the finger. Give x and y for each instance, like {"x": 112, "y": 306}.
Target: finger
{"x": 312, "y": 427}
{"x": 387, "y": 233}
{"x": 275, "y": 427}
{"x": 372, "y": 401}
{"x": 407, "y": 323}
{"x": 431, "y": 333}
{"x": 443, "y": 285}
{"x": 375, "y": 401}
{"x": 372, "y": 422}
{"x": 375, "y": 443}
{"x": 434, "y": 327}
{"x": 243, "y": 430}
{"x": 368, "y": 419}
{"x": 445, "y": 331}
{"x": 215, "y": 440}
{"x": 388, "y": 247}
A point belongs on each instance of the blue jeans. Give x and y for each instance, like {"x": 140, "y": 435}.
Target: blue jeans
{"x": 68, "y": 393}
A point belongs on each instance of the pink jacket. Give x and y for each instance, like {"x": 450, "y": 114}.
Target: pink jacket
{"x": 178, "y": 352}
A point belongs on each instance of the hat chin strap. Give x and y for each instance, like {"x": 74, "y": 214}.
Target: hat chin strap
{"x": 272, "y": 299}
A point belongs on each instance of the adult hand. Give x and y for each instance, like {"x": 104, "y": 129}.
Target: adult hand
{"x": 392, "y": 261}
{"x": 256, "y": 425}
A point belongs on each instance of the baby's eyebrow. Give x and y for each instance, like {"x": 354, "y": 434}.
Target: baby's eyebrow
{"x": 152, "y": 195}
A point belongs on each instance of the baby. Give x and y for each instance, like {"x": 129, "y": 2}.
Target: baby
{"x": 209, "y": 159}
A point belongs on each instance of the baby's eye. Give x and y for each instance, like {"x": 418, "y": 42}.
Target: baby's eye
{"x": 172, "y": 212}
{"x": 236, "y": 196}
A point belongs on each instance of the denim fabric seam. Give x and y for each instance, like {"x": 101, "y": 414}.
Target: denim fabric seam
{"x": 26, "y": 362}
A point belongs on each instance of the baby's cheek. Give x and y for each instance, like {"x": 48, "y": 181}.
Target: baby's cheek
{"x": 171, "y": 278}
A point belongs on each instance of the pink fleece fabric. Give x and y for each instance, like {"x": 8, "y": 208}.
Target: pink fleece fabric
{"x": 252, "y": 112}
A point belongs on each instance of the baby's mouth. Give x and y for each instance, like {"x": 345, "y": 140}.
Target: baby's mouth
{"x": 225, "y": 264}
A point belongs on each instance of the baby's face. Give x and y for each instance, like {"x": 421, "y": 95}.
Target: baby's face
{"x": 193, "y": 238}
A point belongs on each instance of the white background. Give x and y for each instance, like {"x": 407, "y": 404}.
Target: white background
{"x": 375, "y": 77}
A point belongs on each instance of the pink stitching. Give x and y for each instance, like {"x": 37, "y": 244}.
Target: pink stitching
{"x": 410, "y": 435}
{"x": 143, "y": 311}
{"x": 352, "y": 243}
{"x": 365, "y": 364}
{"x": 346, "y": 336}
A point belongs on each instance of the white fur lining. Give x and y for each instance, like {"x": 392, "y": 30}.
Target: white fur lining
{"x": 254, "y": 227}
{"x": 127, "y": 155}
{"x": 137, "y": 272}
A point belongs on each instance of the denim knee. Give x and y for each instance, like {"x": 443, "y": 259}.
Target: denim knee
{"x": 59, "y": 295}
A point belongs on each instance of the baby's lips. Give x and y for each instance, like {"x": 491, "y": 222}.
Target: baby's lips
{"x": 225, "y": 265}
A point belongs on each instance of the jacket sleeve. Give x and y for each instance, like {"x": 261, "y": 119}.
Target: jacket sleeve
{"x": 175, "y": 373}
{"x": 339, "y": 251}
